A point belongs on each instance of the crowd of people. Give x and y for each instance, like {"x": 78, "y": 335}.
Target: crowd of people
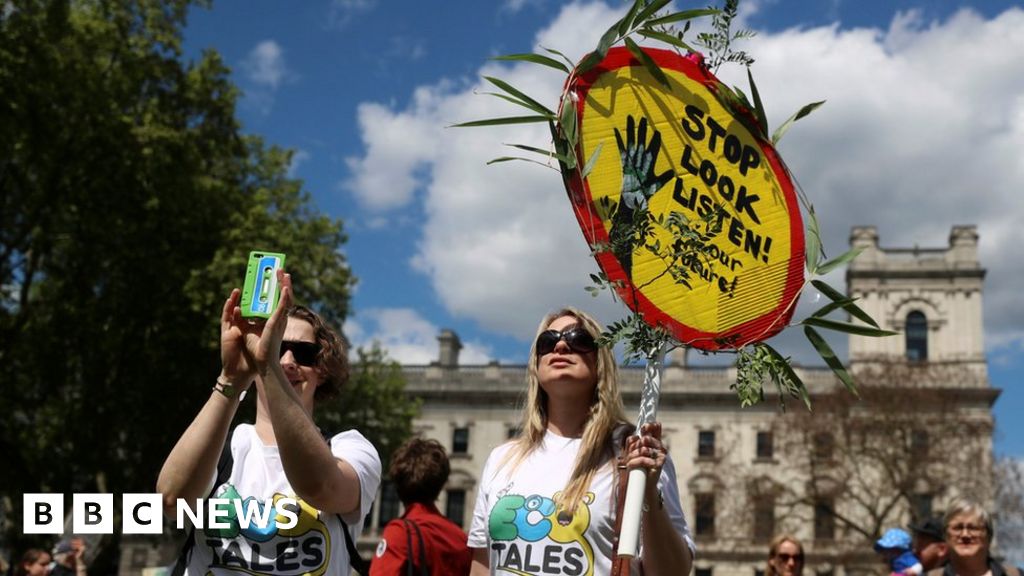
{"x": 549, "y": 501}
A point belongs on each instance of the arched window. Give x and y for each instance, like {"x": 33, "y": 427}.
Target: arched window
{"x": 917, "y": 337}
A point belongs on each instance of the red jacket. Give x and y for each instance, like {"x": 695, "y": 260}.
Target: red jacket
{"x": 447, "y": 552}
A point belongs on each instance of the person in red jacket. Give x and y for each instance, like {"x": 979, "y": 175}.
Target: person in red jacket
{"x": 419, "y": 470}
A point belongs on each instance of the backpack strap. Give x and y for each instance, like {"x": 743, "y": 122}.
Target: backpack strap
{"x": 224, "y": 464}
{"x": 410, "y": 570}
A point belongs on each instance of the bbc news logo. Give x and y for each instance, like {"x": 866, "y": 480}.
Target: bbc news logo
{"x": 144, "y": 514}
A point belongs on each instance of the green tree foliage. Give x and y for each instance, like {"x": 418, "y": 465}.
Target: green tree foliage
{"x": 129, "y": 199}
{"x": 374, "y": 402}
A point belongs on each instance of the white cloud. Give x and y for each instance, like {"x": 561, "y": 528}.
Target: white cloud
{"x": 299, "y": 158}
{"x": 344, "y": 11}
{"x": 265, "y": 65}
{"x": 407, "y": 336}
{"x": 922, "y": 130}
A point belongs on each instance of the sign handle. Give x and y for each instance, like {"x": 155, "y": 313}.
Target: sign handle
{"x": 629, "y": 535}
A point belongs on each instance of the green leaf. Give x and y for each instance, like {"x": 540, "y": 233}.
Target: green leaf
{"x": 651, "y": 66}
{"x": 534, "y": 58}
{"x": 560, "y": 55}
{"x": 788, "y": 123}
{"x": 500, "y": 121}
{"x": 837, "y": 262}
{"x": 682, "y": 15}
{"x": 666, "y": 38}
{"x": 651, "y": 9}
{"x": 510, "y": 158}
{"x": 847, "y": 303}
{"x": 627, "y": 21}
{"x": 567, "y": 122}
{"x": 592, "y": 161}
{"x": 846, "y": 327}
{"x": 520, "y": 95}
{"x": 762, "y": 118}
{"x": 541, "y": 151}
{"x": 787, "y": 370}
{"x": 607, "y": 40}
{"x": 830, "y": 358}
{"x": 812, "y": 249}
{"x": 589, "y": 62}
{"x": 517, "y": 102}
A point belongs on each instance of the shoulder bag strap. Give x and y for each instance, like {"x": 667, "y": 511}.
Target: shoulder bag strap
{"x": 354, "y": 559}
{"x": 410, "y": 565}
{"x": 620, "y": 566}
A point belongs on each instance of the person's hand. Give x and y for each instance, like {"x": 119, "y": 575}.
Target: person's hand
{"x": 647, "y": 451}
{"x": 236, "y": 366}
{"x": 263, "y": 347}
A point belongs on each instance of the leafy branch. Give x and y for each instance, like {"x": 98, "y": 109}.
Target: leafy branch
{"x": 636, "y": 230}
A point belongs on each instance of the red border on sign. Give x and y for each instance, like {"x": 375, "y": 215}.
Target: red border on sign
{"x": 758, "y": 329}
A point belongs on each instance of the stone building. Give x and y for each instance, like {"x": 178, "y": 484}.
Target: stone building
{"x": 747, "y": 474}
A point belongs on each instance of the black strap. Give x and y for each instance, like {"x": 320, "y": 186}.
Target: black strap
{"x": 354, "y": 559}
{"x": 410, "y": 569}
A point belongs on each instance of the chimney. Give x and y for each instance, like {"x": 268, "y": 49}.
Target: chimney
{"x": 450, "y": 346}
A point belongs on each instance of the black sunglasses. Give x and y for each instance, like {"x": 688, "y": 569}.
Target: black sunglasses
{"x": 305, "y": 353}
{"x": 578, "y": 340}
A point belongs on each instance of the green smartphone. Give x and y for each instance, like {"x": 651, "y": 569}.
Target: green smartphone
{"x": 261, "y": 291}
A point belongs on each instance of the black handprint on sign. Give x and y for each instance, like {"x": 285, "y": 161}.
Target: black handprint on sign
{"x": 639, "y": 183}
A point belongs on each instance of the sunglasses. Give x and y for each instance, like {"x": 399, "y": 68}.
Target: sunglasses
{"x": 787, "y": 557}
{"x": 578, "y": 340}
{"x": 305, "y": 353}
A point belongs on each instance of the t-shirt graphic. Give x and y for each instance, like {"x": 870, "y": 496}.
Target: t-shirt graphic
{"x": 530, "y": 536}
{"x": 256, "y": 543}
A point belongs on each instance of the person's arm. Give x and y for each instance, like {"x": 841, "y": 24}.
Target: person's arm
{"x": 325, "y": 482}
{"x": 481, "y": 563}
{"x": 664, "y": 551}
{"x": 391, "y": 551}
{"x": 192, "y": 463}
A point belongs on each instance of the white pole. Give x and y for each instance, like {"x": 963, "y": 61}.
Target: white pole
{"x": 629, "y": 534}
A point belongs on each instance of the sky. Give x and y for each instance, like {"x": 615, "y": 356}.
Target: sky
{"x": 922, "y": 129}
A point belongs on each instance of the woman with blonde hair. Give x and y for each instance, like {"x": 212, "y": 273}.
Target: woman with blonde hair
{"x": 785, "y": 557}
{"x": 547, "y": 500}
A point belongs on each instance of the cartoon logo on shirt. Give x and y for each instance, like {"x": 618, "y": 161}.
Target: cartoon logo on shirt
{"x": 530, "y": 536}
{"x": 246, "y": 546}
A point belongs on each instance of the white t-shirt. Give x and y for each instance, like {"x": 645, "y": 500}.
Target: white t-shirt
{"x": 516, "y": 521}
{"x": 315, "y": 545}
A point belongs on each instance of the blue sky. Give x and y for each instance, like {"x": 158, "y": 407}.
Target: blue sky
{"x": 922, "y": 131}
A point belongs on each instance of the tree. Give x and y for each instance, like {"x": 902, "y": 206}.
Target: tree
{"x": 129, "y": 199}
{"x": 1009, "y": 509}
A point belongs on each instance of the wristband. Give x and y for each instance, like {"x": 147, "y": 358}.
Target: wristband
{"x": 224, "y": 387}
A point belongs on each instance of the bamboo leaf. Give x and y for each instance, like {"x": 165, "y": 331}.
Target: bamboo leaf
{"x": 682, "y": 15}
{"x": 647, "y": 61}
{"x": 541, "y": 151}
{"x": 627, "y": 21}
{"x": 560, "y": 55}
{"x": 567, "y": 122}
{"x": 517, "y": 102}
{"x": 762, "y": 118}
{"x": 813, "y": 239}
{"x": 510, "y": 158}
{"x": 666, "y": 38}
{"x": 651, "y": 9}
{"x": 592, "y": 161}
{"x": 830, "y": 358}
{"x": 846, "y": 327}
{"x": 788, "y": 371}
{"x": 534, "y": 58}
{"x": 520, "y": 95}
{"x": 500, "y": 121}
{"x": 788, "y": 123}
{"x": 838, "y": 261}
{"x": 847, "y": 302}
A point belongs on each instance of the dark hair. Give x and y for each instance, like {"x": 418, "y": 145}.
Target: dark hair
{"x": 419, "y": 468}
{"x": 332, "y": 360}
{"x": 31, "y": 556}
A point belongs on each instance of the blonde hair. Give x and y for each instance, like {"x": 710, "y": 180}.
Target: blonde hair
{"x": 606, "y": 412}
{"x": 773, "y": 549}
{"x": 969, "y": 508}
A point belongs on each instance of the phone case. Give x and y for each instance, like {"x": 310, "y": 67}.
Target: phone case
{"x": 261, "y": 290}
